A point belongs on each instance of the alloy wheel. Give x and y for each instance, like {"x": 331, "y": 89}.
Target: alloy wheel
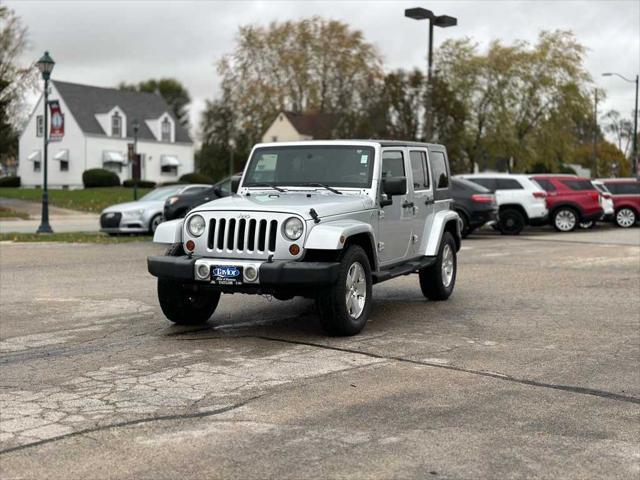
{"x": 447, "y": 265}
{"x": 625, "y": 217}
{"x": 565, "y": 220}
{"x": 356, "y": 290}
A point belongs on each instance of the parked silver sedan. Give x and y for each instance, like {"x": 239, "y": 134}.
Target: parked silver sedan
{"x": 145, "y": 214}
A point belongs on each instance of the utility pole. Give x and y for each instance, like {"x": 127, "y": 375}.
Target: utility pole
{"x": 595, "y": 137}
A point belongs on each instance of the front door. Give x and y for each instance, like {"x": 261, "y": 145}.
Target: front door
{"x": 396, "y": 220}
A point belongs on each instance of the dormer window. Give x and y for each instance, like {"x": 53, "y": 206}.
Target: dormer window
{"x": 116, "y": 125}
{"x": 166, "y": 130}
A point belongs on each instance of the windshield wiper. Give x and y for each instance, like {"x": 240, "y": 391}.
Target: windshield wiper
{"x": 275, "y": 187}
{"x": 321, "y": 185}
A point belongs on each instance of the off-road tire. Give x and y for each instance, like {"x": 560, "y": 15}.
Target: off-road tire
{"x": 512, "y": 222}
{"x": 332, "y": 306}
{"x": 433, "y": 279}
{"x": 186, "y": 303}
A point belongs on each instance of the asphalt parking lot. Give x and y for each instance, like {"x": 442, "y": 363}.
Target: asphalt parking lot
{"x": 530, "y": 370}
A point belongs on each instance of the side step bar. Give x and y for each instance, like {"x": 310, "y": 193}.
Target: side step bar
{"x": 403, "y": 269}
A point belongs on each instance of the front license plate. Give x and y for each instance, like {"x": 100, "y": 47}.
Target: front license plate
{"x": 226, "y": 275}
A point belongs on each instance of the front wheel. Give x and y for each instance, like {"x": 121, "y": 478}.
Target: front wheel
{"x": 186, "y": 304}
{"x": 344, "y": 307}
{"x": 437, "y": 280}
{"x": 587, "y": 225}
{"x": 625, "y": 217}
{"x": 153, "y": 224}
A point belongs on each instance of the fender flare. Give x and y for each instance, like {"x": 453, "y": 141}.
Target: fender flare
{"x": 439, "y": 225}
{"x": 326, "y": 236}
{"x": 169, "y": 232}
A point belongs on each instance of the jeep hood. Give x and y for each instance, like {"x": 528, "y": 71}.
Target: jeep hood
{"x": 300, "y": 203}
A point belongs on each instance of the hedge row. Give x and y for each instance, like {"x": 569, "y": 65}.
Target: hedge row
{"x": 11, "y": 181}
{"x": 99, "y": 177}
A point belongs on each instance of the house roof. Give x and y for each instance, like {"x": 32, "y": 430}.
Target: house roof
{"x": 319, "y": 126}
{"x": 86, "y": 101}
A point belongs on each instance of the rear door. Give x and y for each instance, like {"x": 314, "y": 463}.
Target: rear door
{"x": 396, "y": 220}
{"x": 423, "y": 197}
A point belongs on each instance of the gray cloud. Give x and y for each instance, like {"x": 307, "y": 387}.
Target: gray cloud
{"x": 105, "y": 42}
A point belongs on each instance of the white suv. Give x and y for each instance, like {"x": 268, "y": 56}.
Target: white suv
{"x": 521, "y": 201}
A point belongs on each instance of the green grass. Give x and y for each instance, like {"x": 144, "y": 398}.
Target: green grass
{"x": 87, "y": 200}
{"x": 72, "y": 237}
{"x": 11, "y": 213}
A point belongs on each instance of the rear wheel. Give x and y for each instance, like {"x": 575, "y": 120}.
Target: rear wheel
{"x": 345, "y": 306}
{"x": 626, "y": 217}
{"x": 465, "y": 230}
{"x": 587, "y": 225}
{"x": 437, "y": 281}
{"x": 565, "y": 219}
{"x": 511, "y": 222}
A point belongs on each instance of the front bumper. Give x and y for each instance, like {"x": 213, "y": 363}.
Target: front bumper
{"x": 271, "y": 275}
{"x": 116, "y": 222}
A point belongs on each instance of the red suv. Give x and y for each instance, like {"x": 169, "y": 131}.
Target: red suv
{"x": 571, "y": 200}
{"x": 626, "y": 200}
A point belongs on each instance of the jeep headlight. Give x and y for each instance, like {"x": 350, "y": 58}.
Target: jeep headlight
{"x": 293, "y": 228}
{"x": 196, "y": 225}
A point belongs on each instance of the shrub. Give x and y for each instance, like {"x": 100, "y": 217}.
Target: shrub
{"x": 195, "y": 178}
{"x": 9, "y": 181}
{"x": 140, "y": 183}
{"x": 99, "y": 177}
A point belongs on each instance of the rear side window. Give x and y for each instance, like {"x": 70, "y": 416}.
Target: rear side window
{"x": 439, "y": 169}
{"x": 392, "y": 164}
{"x": 488, "y": 183}
{"x": 508, "y": 184}
{"x": 624, "y": 188}
{"x": 579, "y": 184}
{"x": 546, "y": 185}
{"x": 419, "y": 170}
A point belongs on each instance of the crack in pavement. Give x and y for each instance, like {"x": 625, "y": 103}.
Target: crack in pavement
{"x": 177, "y": 416}
{"x": 498, "y": 376}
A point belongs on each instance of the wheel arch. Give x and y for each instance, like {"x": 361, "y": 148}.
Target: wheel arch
{"x": 514, "y": 206}
{"x": 572, "y": 205}
{"x": 445, "y": 220}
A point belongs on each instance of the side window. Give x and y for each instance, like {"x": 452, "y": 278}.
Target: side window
{"x": 579, "y": 184}
{"x": 392, "y": 164}
{"x": 488, "y": 183}
{"x": 439, "y": 170}
{"x": 508, "y": 184}
{"x": 546, "y": 185}
{"x": 419, "y": 170}
{"x": 193, "y": 190}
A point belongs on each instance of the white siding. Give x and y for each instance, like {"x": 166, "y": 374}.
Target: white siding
{"x": 281, "y": 130}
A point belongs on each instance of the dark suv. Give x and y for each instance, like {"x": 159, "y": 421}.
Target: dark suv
{"x": 475, "y": 204}
{"x": 177, "y": 206}
{"x": 571, "y": 200}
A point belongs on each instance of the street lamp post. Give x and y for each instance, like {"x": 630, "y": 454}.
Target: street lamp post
{"x": 635, "y": 121}
{"x": 45, "y": 65}
{"x": 442, "y": 21}
{"x": 136, "y": 128}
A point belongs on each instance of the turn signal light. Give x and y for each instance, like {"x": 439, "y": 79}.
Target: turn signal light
{"x": 191, "y": 245}
{"x": 294, "y": 249}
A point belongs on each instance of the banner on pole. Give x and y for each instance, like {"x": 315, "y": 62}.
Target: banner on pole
{"x": 57, "y": 122}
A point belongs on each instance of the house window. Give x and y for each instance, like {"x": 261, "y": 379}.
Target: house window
{"x": 169, "y": 170}
{"x": 64, "y": 165}
{"x": 36, "y": 166}
{"x": 39, "y": 126}
{"x": 116, "y": 125}
{"x": 115, "y": 167}
{"x": 166, "y": 130}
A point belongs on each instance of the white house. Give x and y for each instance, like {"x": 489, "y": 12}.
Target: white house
{"x": 98, "y": 128}
{"x": 291, "y": 126}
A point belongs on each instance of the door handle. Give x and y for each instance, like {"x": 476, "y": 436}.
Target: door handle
{"x": 429, "y": 201}
{"x": 407, "y": 204}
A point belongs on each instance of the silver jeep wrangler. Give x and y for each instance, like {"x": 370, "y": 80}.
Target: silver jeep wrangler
{"x": 319, "y": 219}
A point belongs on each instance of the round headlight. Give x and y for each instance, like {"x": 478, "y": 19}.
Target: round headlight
{"x": 195, "y": 226}
{"x": 293, "y": 228}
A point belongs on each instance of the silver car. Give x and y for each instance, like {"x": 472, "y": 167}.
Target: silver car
{"x": 144, "y": 215}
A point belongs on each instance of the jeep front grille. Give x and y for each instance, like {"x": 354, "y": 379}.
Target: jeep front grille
{"x": 242, "y": 235}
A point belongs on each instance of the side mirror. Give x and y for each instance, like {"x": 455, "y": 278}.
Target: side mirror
{"x": 392, "y": 186}
{"x": 235, "y": 183}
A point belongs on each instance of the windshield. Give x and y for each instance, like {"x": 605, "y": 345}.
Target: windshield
{"x": 162, "y": 193}
{"x": 334, "y": 165}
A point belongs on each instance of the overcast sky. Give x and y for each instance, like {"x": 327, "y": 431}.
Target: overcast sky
{"x": 103, "y": 43}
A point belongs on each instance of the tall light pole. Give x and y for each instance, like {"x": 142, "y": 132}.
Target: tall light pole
{"x": 136, "y": 160}
{"x": 595, "y": 135}
{"x": 442, "y": 21}
{"x": 45, "y": 65}
{"x": 635, "y": 121}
